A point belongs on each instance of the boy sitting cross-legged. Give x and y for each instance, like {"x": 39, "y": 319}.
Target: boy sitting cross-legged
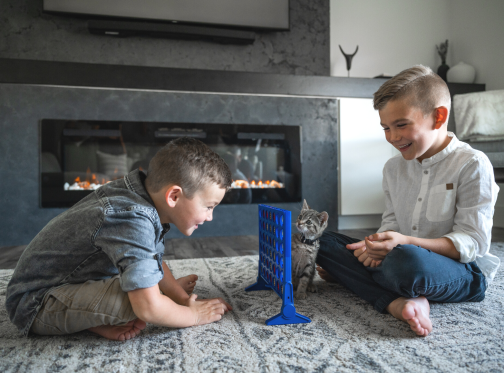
{"x": 99, "y": 265}
{"x": 434, "y": 241}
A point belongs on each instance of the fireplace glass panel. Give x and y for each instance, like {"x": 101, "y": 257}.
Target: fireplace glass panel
{"x": 78, "y": 157}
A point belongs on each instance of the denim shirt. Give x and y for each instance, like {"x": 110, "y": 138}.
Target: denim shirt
{"x": 114, "y": 230}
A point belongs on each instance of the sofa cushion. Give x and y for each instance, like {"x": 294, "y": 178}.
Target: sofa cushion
{"x": 114, "y": 166}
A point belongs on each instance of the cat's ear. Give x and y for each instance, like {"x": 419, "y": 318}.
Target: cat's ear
{"x": 324, "y": 217}
{"x": 305, "y": 205}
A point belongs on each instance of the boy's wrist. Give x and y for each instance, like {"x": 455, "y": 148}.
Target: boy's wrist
{"x": 196, "y": 316}
{"x": 408, "y": 240}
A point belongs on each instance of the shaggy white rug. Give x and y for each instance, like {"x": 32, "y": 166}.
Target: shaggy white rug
{"x": 345, "y": 335}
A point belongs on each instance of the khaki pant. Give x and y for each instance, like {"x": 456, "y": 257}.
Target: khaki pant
{"x": 72, "y": 308}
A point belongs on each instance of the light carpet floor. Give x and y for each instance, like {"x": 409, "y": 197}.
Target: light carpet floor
{"x": 345, "y": 335}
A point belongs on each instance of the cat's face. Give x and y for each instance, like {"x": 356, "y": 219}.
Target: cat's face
{"x": 311, "y": 223}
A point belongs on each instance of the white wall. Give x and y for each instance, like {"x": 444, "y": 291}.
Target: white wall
{"x": 395, "y": 34}
{"x": 392, "y": 35}
{"x": 477, "y": 38}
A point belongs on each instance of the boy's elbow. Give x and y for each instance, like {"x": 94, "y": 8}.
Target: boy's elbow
{"x": 143, "y": 302}
{"x": 142, "y": 313}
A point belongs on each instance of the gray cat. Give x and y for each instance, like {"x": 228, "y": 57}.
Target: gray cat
{"x": 305, "y": 246}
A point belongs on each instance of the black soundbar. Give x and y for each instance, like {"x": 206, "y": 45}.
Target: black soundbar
{"x": 166, "y": 30}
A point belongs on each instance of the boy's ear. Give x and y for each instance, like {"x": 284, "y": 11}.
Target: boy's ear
{"x": 440, "y": 116}
{"x": 172, "y": 195}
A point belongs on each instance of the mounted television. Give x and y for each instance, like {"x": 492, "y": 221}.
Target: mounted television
{"x": 241, "y": 14}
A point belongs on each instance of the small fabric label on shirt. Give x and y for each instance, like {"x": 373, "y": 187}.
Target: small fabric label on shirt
{"x": 449, "y": 186}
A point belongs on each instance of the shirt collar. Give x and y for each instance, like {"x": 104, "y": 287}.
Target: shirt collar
{"x": 135, "y": 181}
{"x": 450, "y": 148}
{"x": 166, "y": 229}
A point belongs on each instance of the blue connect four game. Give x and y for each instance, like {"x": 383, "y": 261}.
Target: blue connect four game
{"x": 275, "y": 263}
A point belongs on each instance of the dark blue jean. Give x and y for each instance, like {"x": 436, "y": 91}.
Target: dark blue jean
{"x": 407, "y": 271}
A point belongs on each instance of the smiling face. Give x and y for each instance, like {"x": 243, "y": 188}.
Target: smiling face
{"x": 187, "y": 214}
{"x": 415, "y": 135}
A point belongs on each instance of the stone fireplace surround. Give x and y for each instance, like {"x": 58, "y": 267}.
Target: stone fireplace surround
{"x": 27, "y": 96}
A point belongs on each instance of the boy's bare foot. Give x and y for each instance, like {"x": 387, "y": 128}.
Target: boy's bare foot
{"x": 188, "y": 283}
{"x": 324, "y": 275}
{"x": 120, "y": 333}
{"x": 415, "y": 311}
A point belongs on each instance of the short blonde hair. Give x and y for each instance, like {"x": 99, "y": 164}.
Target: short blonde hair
{"x": 420, "y": 85}
{"x": 188, "y": 163}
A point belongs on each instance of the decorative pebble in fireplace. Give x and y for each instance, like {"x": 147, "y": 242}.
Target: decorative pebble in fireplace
{"x": 78, "y": 157}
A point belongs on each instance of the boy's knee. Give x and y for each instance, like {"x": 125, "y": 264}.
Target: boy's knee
{"x": 331, "y": 244}
{"x": 39, "y": 327}
{"x": 332, "y": 248}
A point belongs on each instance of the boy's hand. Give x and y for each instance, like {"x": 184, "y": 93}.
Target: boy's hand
{"x": 378, "y": 245}
{"x": 227, "y": 306}
{"x": 356, "y": 246}
{"x": 362, "y": 255}
{"x": 207, "y": 310}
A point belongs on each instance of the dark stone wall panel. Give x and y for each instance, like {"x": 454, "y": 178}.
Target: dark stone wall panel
{"x": 23, "y": 106}
{"x": 28, "y": 33}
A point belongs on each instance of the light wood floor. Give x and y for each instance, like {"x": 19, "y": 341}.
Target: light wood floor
{"x": 207, "y": 247}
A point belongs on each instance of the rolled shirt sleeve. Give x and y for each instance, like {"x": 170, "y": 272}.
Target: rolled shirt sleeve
{"x": 129, "y": 239}
{"x": 141, "y": 274}
{"x": 476, "y": 197}
{"x": 465, "y": 245}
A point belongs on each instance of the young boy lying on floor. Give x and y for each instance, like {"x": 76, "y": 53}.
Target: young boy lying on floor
{"x": 434, "y": 241}
{"x": 99, "y": 265}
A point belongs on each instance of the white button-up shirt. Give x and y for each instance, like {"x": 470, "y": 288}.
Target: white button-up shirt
{"x": 452, "y": 194}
